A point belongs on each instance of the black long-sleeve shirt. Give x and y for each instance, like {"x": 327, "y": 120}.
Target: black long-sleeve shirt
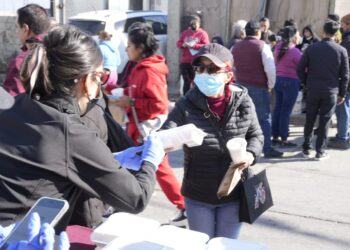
{"x": 324, "y": 68}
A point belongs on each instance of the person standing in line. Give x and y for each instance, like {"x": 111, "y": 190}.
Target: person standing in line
{"x": 342, "y": 111}
{"x": 255, "y": 69}
{"x": 191, "y": 40}
{"x": 324, "y": 68}
{"x": 224, "y": 111}
{"x": 146, "y": 101}
{"x": 287, "y": 57}
{"x": 238, "y": 33}
{"x": 111, "y": 59}
{"x": 309, "y": 37}
{"x": 265, "y": 29}
{"x": 32, "y": 23}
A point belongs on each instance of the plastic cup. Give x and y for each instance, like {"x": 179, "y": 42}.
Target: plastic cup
{"x": 117, "y": 93}
{"x": 237, "y": 148}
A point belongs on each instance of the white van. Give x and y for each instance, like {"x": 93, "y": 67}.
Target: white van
{"x": 117, "y": 23}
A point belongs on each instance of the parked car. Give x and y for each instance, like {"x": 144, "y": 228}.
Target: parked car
{"x": 117, "y": 23}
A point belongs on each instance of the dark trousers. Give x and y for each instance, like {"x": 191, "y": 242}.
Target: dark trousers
{"x": 324, "y": 105}
{"x": 187, "y": 73}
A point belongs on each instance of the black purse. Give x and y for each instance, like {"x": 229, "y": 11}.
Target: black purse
{"x": 255, "y": 197}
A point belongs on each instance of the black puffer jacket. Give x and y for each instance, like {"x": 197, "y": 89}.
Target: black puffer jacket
{"x": 206, "y": 165}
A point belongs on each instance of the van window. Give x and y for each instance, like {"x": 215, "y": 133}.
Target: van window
{"x": 158, "y": 23}
{"x": 89, "y": 26}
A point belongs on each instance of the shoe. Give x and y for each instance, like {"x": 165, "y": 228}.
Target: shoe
{"x": 179, "y": 219}
{"x": 321, "y": 156}
{"x": 276, "y": 142}
{"x": 273, "y": 154}
{"x": 307, "y": 153}
{"x": 338, "y": 144}
{"x": 288, "y": 144}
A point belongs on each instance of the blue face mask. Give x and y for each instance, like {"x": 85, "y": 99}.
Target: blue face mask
{"x": 209, "y": 85}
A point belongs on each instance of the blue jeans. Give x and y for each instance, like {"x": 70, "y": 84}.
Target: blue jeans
{"x": 286, "y": 90}
{"x": 220, "y": 220}
{"x": 261, "y": 100}
{"x": 343, "y": 116}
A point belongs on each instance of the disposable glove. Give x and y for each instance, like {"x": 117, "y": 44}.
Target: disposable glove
{"x": 130, "y": 158}
{"x": 153, "y": 150}
{"x": 40, "y": 237}
{"x": 4, "y": 231}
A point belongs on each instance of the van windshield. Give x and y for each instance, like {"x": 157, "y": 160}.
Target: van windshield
{"x": 91, "y": 27}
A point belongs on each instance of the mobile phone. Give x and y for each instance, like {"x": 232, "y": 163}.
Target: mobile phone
{"x": 50, "y": 211}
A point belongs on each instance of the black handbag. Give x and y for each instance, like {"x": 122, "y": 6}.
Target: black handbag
{"x": 255, "y": 197}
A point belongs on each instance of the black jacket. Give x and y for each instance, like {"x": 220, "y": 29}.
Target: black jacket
{"x": 346, "y": 44}
{"x": 324, "y": 67}
{"x": 49, "y": 152}
{"x": 206, "y": 165}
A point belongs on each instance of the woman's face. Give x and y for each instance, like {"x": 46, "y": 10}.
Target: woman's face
{"x": 134, "y": 54}
{"x": 23, "y": 33}
{"x": 307, "y": 33}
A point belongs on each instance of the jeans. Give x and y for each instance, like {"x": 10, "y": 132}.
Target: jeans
{"x": 220, "y": 220}
{"x": 261, "y": 100}
{"x": 324, "y": 105}
{"x": 286, "y": 90}
{"x": 343, "y": 116}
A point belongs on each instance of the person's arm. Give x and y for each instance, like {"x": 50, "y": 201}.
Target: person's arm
{"x": 269, "y": 65}
{"x": 344, "y": 74}
{"x": 176, "y": 117}
{"x": 91, "y": 166}
{"x": 181, "y": 41}
{"x": 204, "y": 40}
{"x": 254, "y": 136}
{"x": 302, "y": 67}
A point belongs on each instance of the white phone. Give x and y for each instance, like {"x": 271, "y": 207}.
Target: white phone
{"x": 50, "y": 211}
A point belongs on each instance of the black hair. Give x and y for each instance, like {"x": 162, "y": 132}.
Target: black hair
{"x": 35, "y": 17}
{"x": 264, "y": 19}
{"x": 272, "y": 38}
{"x": 66, "y": 55}
{"x": 331, "y": 27}
{"x": 141, "y": 34}
{"x": 218, "y": 40}
{"x": 334, "y": 17}
{"x": 252, "y": 28}
{"x": 287, "y": 34}
{"x": 290, "y": 22}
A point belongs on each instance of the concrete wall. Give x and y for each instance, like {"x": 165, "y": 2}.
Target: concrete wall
{"x": 9, "y": 45}
{"x": 342, "y": 7}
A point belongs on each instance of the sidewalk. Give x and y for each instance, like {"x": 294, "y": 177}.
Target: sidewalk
{"x": 312, "y": 201}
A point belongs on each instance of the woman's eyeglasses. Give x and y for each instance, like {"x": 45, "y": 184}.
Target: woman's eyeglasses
{"x": 210, "y": 69}
{"x": 103, "y": 76}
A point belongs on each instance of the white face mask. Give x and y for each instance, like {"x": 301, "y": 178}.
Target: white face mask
{"x": 210, "y": 85}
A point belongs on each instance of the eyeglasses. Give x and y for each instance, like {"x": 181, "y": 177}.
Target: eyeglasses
{"x": 103, "y": 76}
{"x": 210, "y": 69}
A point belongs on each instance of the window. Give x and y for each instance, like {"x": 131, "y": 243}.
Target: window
{"x": 90, "y": 27}
{"x": 158, "y": 23}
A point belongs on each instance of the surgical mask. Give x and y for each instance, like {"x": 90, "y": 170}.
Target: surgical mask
{"x": 93, "y": 101}
{"x": 210, "y": 84}
{"x": 193, "y": 26}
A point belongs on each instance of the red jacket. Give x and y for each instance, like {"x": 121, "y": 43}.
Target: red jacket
{"x": 147, "y": 85}
{"x": 199, "y": 38}
{"x": 12, "y": 83}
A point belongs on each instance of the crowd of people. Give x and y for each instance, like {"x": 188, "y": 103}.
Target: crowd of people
{"x": 58, "y": 138}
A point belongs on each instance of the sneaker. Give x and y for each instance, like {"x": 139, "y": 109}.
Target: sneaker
{"x": 307, "y": 153}
{"x": 180, "y": 218}
{"x": 338, "y": 144}
{"x": 273, "y": 154}
{"x": 276, "y": 142}
{"x": 321, "y": 156}
{"x": 288, "y": 144}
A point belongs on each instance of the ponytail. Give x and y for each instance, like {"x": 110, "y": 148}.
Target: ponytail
{"x": 284, "y": 48}
{"x": 34, "y": 72}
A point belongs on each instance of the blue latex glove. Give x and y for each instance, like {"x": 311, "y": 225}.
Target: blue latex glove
{"x": 4, "y": 231}
{"x": 130, "y": 158}
{"x": 40, "y": 237}
{"x": 153, "y": 150}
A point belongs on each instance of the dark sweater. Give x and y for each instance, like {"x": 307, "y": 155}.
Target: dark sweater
{"x": 346, "y": 44}
{"x": 324, "y": 68}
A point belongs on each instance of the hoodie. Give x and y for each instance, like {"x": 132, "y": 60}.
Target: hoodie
{"x": 147, "y": 85}
{"x": 110, "y": 53}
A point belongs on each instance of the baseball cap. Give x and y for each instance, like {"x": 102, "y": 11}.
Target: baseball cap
{"x": 218, "y": 54}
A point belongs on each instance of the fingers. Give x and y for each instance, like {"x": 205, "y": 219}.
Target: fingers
{"x": 33, "y": 227}
{"x": 63, "y": 243}
{"x": 47, "y": 237}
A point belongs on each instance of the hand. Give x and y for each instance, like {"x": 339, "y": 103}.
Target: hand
{"x": 247, "y": 161}
{"x": 340, "y": 100}
{"x": 40, "y": 237}
{"x": 123, "y": 101}
{"x": 185, "y": 45}
{"x": 130, "y": 158}
{"x": 153, "y": 151}
{"x": 5, "y": 231}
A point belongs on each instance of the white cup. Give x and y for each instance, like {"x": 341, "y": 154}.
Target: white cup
{"x": 117, "y": 93}
{"x": 237, "y": 148}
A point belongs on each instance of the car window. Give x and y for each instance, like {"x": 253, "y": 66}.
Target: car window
{"x": 91, "y": 27}
{"x": 158, "y": 23}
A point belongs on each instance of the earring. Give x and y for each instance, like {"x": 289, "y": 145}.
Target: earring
{"x": 76, "y": 80}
